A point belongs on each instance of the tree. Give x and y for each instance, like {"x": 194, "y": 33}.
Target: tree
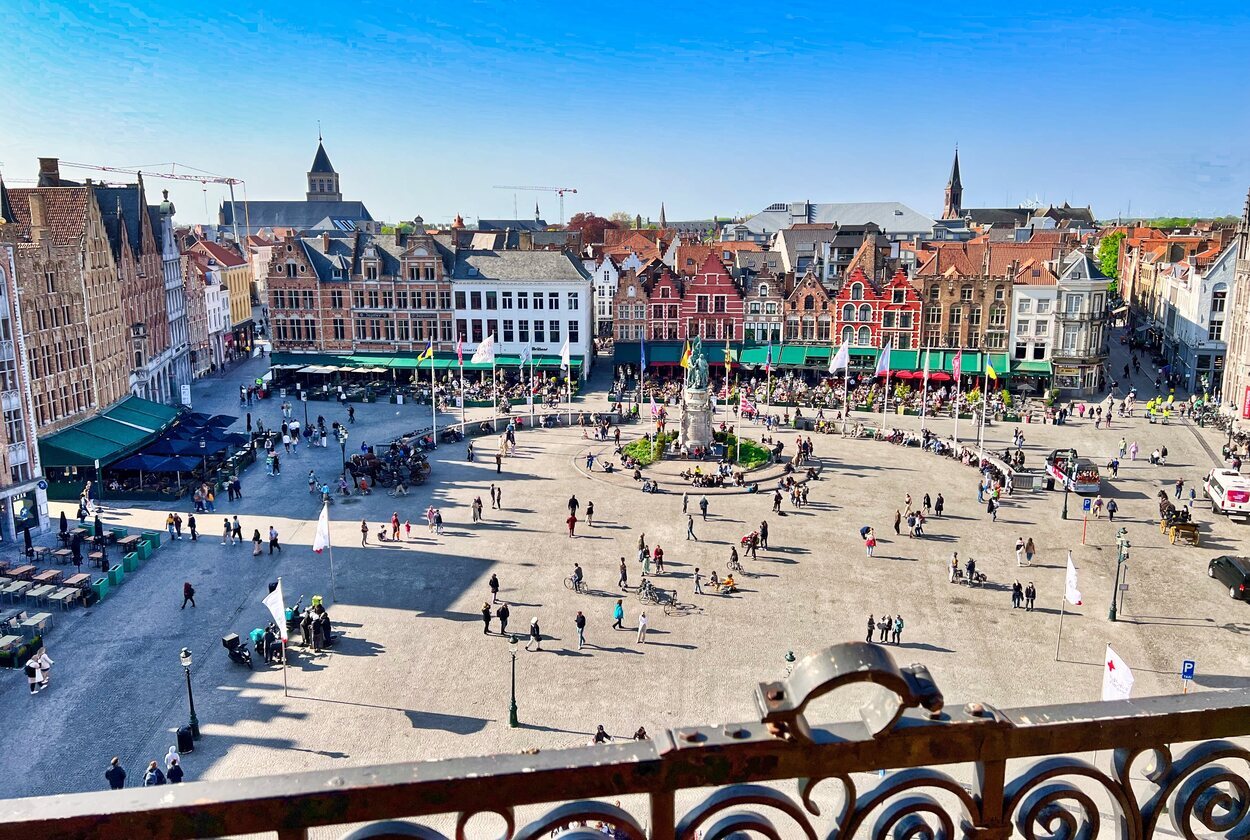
{"x": 591, "y": 227}
{"x": 1108, "y": 254}
{"x": 621, "y": 219}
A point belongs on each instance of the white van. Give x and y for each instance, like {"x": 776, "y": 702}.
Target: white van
{"x": 1229, "y": 492}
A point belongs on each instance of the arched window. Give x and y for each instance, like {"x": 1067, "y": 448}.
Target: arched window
{"x": 848, "y": 335}
{"x": 865, "y": 312}
{"x": 865, "y": 337}
{"x": 630, "y": 292}
{"x": 809, "y": 303}
{"x": 848, "y": 312}
{"x": 763, "y": 290}
{"x": 857, "y": 291}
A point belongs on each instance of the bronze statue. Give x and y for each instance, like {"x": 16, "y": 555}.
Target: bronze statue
{"x": 696, "y": 372}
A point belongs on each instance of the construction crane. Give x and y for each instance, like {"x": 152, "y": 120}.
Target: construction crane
{"x": 201, "y": 177}
{"x": 560, "y": 191}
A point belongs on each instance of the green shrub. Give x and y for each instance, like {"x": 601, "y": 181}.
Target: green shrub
{"x": 751, "y": 456}
{"x": 647, "y": 451}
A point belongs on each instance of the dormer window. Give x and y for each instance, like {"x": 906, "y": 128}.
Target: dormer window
{"x": 857, "y": 291}
{"x": 371, "y": 271}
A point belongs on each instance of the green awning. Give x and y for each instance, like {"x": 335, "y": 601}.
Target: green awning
{"x": 819, "y": 355}
{"x": 109, "y": 436}
{"x": 1032, "y": 367}
{"x": 904, "y": 360}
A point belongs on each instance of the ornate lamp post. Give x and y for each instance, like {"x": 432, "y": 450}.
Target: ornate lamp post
{"x": 342, "y": 435}
{"x": 512, "y": 718}
{"x": 185, "y": 658}
{"x": 1122, "y": 547}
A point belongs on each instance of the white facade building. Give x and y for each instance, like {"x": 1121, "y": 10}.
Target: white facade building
{"x": 526, "y": 299}
{"x": 607, "y": 278}
{"x": 175, "y": 304}
{"x": 217, "y": 305}
{"x": 1195, "y": 305}
{"x": 1033, "y": 322}
{"x": 1080, "y": 347}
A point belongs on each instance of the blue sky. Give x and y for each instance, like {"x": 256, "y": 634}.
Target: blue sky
{"x": 720, "y": 108}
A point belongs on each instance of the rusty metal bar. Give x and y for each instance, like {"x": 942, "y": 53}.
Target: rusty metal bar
{"x": 689, "y": 757}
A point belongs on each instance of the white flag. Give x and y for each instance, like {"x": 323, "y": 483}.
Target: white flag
{"x": 883, "y": 363}
{"x": 1117, "y": 678}
{"x": 1071, "y": 593}
{"x": 525, "y": 355}
{"x": 322, "y": 538}
{"x": 485, "y": 353}
{"x": 277, "y": 608}
{"x": 564, "y": 356}
{"x": 842, "y": 359}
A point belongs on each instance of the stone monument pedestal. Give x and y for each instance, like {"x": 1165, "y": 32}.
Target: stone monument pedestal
{"x": 696, "y": 419}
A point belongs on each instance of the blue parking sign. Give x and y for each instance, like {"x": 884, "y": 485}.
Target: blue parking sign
{"x": 1187, "y": 669}
{"x": 1087, "y": 505}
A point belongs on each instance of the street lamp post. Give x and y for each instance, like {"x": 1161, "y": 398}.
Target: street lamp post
{"x": 185, "y": 658}
{"x": 342, "y": 434}
{"x": 303, "y": 397}
{"x": 1066, "y": 489}
{"x": 204, "y": 457}
{"x": 1122, "y": 547}
{"x": 512, "y": 718}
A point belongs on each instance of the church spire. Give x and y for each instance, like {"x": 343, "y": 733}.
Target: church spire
{"x": 663, "y": 221}
{"x": 953, "y": 206}
{"x": 323, "y": 181}
{"x": 6, "y": 209}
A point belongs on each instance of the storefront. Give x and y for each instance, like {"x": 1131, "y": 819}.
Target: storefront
{"x": 23, "y": 506}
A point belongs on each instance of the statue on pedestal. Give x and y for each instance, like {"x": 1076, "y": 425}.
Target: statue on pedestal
{"x": 696, "y": 419}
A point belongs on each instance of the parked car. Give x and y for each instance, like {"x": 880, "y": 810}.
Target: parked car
{"x": 1233, "y": 572}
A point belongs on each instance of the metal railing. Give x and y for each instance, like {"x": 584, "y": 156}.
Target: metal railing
{"x": 1201, "y": 790}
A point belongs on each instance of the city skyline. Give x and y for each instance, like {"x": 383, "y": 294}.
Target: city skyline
{"x": 424, "y": 116}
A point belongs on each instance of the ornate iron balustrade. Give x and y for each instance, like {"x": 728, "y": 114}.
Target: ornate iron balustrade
{"x": 1203, "y": 790}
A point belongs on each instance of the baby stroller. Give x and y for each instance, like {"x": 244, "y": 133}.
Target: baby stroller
{"x": 746, "y": 541}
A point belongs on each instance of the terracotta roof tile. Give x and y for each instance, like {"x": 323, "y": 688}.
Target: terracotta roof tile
{"x": 65, "y": 211}
{"x": 224, "y": 256}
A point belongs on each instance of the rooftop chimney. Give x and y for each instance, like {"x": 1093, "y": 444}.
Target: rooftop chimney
{"x": 49, "y": 172}
{"x": 325, "y": 242}
{"x": 37, "y": 217}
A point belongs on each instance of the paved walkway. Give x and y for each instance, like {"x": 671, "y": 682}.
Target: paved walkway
{"x": 415, "y": 677}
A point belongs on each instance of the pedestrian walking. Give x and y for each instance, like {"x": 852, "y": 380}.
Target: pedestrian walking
{"x": 992, "y": 509}
{"x": 256, "y": 542}
{"x": 658, "y": 556}
{"x": 438, "y": 521}
{"x": 685, "y": 501}
{"x": 590, "y": 514}
{"x": 572, "y": 523}
{"x": 364, "y": 532}
{"x": 195, "y": 535}
{"x": 1020, "y": 551}
{"x": 1180, "y": 487}
{"x": 115, "y": 774}
{"x": 928, "y": 503}
{"x": 177, "y": 526}
{"x": 273, "y": 540}
{"x": 498, "y": 463}
{"x": 395, "y": 522}
{"x": 898, "y": 628}
{"x": 621, "y": 583}
{"x": 493, "y": 503}
{"x": 872, "y": 625}
{"x": 642, "y": 627}
{"x": 1030, "y": 594}
{"x": 763, "y": 532}
{"x": 1029, "y": 550}
{"x": 536, "y": 635}
{"x": 1192, "y": 496}
{"x": 703, "y": 507}
{"x": 174, "y": 773}
{"x": 580, "y": 623}
{"x": 1133, "y": 450}
{"x": 1113, "y": 506}
{"x": 169, "y": 525}
{"x": 870, "y": 542}
{"x": 494, "y": 588}
{"x": 486, "y": 615}
{"x": 1098, "y": 505}
{"x": 698, "y": 582}
{"x": 502, "y": 614}
{"x": 225, "y": 531}
{"x": 939, "y": 504}
{"x": 236, "y": 531}
{"x": 1163, "y": 456}
{"x": 618, "y": 615}
{"x": 898, "y": 520}
{"x": 690, "y": 528}
{"x": 1017, "y": 595}
{"x": 188, "y": 595}
{"x": 153, "y": 776}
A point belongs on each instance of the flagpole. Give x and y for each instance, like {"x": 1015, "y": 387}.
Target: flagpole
{"x": 494, "y": 394}
{"x": 924, "y": 389}
{"x": 1063, "y": 605}
{"x": 958, "y": 391}
{"x": 531, "y": 387}
{"x": 433, "y": 405}
{"x": 285, "y": 687}
{"x": 462, "y": 426}
{"x": 885, "y": 403}
{"x": 330, "y": 549}
{"x": 981, "y": 424}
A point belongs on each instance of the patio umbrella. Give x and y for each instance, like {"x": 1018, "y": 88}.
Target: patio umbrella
{"x": 1026, "y": 387}
{"x": 64, "y": 523}
{"x": 176, "y": 463}
{"x": 26, "y": 539}
{"x": 172, "y": 446}
{"x": 222, "y": 421}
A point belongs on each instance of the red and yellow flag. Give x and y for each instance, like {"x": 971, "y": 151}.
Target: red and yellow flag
{"x": 685, "y": 355}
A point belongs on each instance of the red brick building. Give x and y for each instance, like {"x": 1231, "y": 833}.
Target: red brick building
{"x": 664, "y": 322}
{"x": 868, "y": 317}
{"x": 711, "y": 306}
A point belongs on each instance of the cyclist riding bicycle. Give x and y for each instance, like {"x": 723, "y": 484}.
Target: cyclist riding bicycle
{"x": 577, "y": 577}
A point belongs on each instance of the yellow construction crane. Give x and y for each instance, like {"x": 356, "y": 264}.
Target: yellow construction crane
{"x": 197, "y": 175}
{"x": 560, "y": 191}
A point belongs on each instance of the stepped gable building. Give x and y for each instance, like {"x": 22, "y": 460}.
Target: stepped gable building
{"x": 323, "y": 207}
{"x": 75, "y": 332}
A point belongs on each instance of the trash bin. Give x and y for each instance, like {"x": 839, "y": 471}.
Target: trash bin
{"x": 186, "y": 743}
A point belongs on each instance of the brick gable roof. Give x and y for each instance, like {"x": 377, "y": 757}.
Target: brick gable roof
{"x": 65, "y": 211}
{"x": 969, "y": 259}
